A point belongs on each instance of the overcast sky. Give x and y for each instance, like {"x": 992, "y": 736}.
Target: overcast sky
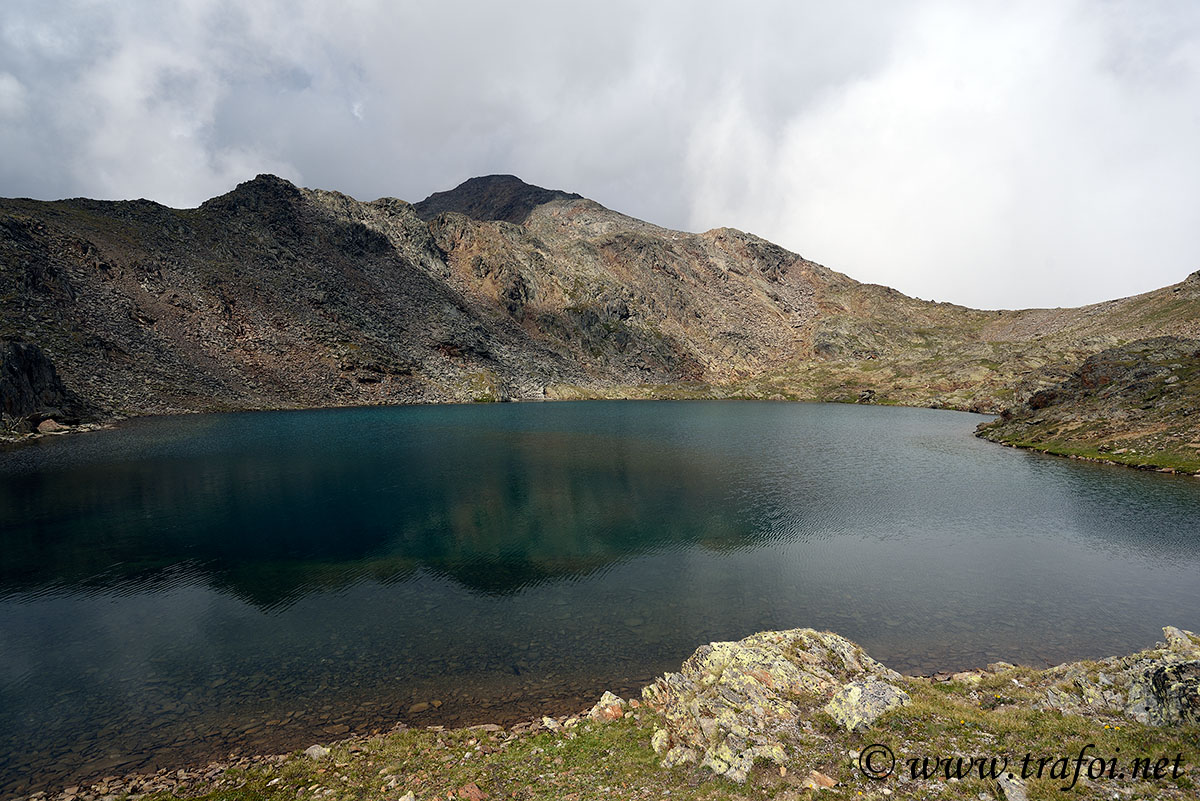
{"x": 993, "y": 154}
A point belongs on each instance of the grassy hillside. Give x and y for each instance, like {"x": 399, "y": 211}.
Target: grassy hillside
{"x": 1138, "y": 405}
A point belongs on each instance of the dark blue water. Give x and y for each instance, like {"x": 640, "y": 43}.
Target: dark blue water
{"x": 180, "y": 588}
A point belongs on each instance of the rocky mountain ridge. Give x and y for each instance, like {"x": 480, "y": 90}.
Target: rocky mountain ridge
{"x": 273, "y": 296}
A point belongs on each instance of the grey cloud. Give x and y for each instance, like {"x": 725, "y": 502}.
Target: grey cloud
{"x": 1013, "y": 155}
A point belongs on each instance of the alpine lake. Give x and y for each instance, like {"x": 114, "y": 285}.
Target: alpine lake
{"x": 176, "y": 589}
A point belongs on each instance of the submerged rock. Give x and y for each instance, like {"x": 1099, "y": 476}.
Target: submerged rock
{"x": 733, "y": 703}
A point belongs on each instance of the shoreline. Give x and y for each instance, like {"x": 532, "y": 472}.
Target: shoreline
{"x": 442, "y": 755}
{"x": 10, "y": 441}
{"x": 1050, "y": 451}
{"x": 9, "y": 438}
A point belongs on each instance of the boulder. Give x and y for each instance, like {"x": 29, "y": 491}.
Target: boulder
{"x": 609, "y": 707}
{"x": 1164, "y": 688}
{"x": 30, "y": 388}
{"x": 733, "y": 703}
{"x": 859, "y": 704}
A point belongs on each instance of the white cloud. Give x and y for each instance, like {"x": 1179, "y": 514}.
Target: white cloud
{"x": 1013, "y": 154}
{"x": 996, "y": 159}
{"x": 12, "y": 96}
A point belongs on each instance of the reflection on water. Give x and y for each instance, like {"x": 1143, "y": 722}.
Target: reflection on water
{"x": 180, "y": 588}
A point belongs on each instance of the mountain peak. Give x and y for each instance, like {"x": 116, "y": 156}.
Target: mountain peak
{"x": 491, "y": 197}
{"x": 262, "y": 191}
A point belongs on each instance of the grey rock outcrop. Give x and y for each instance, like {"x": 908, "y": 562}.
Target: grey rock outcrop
{"x": 30, "y": 389}
{"x": 1158, "y": 687}
{"x": 733, "y": 703}
{"x": 1010, "y": 788}
{"x": 860, "y": 703}
{"x": 1164, "y": 689}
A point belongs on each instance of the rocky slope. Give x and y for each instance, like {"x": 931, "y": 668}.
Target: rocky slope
{"x": 272, "y": 296}
{"x": 1137, "y": 404}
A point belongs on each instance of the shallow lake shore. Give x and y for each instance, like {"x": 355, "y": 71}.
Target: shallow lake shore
{"x": 1048, "y": 726}
{"x": 1132, "y": 462}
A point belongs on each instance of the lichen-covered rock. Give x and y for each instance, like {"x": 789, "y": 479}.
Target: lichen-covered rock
{"x": 733, "y": 703}
{"x": 1159, "y": 686}
{"x": 859, "y": 704}
{"x": 1164, "y": 685}
{"x": 609, "y": 707}
{"x": 1167, "y": 694}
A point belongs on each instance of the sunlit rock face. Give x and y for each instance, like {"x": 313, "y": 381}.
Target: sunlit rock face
{"x": 860, "y": 703}
{"x": 733, "y": 703}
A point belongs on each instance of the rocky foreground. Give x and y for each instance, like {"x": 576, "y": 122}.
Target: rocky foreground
{"x": 784, "y": 715}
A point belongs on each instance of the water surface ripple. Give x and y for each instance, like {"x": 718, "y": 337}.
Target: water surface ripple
{"x": 180, "y": 588}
